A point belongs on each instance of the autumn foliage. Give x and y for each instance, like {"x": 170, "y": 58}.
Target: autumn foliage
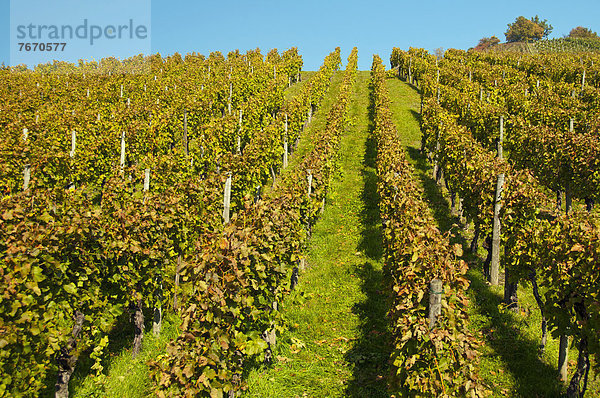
{"x": 486, "y": 42}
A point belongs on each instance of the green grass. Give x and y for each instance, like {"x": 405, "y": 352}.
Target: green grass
{"x": 510, "y": 364}
{"x": 338, "y": 344}
{"x": 124, "y": 377}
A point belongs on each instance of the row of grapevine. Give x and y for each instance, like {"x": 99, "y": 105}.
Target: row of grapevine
{"x": 555, "y": 254}
{"x": 436, "y": 357}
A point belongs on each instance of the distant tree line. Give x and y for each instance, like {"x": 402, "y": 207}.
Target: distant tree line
{"x": 530, "y": 30}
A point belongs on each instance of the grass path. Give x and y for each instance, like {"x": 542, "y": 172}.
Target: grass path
{"x": 337, "y": 345}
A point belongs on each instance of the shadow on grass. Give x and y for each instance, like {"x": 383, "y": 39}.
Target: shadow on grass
{"x": 371, "y": 242}
{"x": 501, "y": 329}
{"x": 371, "y": 352}
{"x": 416, "y": 115}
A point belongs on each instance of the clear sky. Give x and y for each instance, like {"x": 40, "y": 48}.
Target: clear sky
{"x": 318, "y": 26}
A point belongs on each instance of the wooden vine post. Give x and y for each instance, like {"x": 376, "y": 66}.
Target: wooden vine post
{"x": 230, "y": 96}
{"x": 239, "y": 137}
{"x": 563, "y": 358}
{"x": 435, "y": 301}
{"x": 72, "y": 153}
{"x": 273, "y": 175}
{"x": 26, "y": 177}
{"x": 73, "y": 143}
{"x": 185, "y": 134}
{"x": 436, "y": 155}
{"x": 146, "y": 180}
{"x": 27, "y": 167}
{"x": 285, "y": 144}
{"x": 495, "y": 261}
{"x": 227, "y": 199}
{"x": 437, "y": 83}
{"x": 122, "y": 161}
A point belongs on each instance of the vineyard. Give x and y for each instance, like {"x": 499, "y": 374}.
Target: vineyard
{"x": 572, "y": 45}
{"x": 235, "y": 226}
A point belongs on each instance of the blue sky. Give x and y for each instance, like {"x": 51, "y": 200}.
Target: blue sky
{"x": 317, "y": 26}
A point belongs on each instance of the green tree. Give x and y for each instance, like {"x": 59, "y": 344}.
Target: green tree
{"x": 523, "y": 29}
{"x": 584, "y": 33}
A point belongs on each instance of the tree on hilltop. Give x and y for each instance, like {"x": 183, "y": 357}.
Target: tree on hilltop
{"x": 583, "y": 33}
{"x": 528, "y": 30}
